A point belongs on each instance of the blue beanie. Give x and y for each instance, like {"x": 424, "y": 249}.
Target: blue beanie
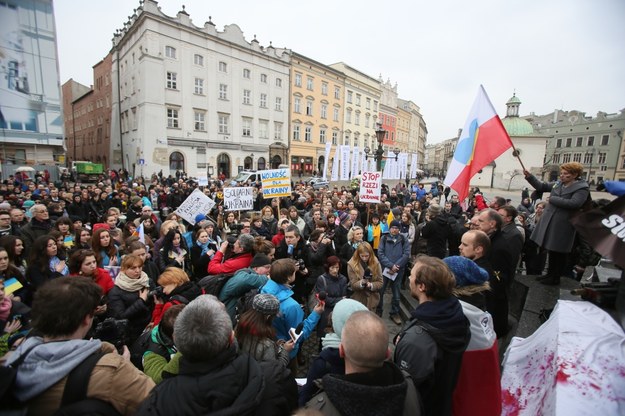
{"x": 199, "y": 217}
{"x": 466, "y": 272}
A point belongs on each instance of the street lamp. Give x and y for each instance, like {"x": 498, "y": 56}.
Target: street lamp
{"x": 301, "y": 167}
{"x": 378, "y": 155}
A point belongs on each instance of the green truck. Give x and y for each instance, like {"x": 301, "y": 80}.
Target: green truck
{"x": 87, "y": 171}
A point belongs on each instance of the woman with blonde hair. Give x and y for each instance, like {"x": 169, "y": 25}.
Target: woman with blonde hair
{"x": 177, "y": 288}
{"x": 364, "y": 272}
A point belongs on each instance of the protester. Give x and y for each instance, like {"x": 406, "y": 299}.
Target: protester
{"x": 83, "y": 263}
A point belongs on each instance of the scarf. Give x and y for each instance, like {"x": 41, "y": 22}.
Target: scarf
{"x": 132, "y": 285}
{"x": 204, "y": 247}
{"x": 268, "y": 218}
{"x": 5, "y": 308}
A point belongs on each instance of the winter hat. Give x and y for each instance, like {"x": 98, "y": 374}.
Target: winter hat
{"x": 435, "y": 210}
{"x": 342, "y": 311}
{"x": 266, "y": 304}
{"x": 28, "y": 203}
{"x": 200, "y": 217}
{"x": 260, "y": 260}
{"x": 97, "y": 226}
{"x": 395, "y": 223}
{"x": 343, "y": 216}
{"x": 134, "y": 200}
{"x": 467, "y": 273}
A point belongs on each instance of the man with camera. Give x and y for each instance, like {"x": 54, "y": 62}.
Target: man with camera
{"x": 242, "y": 253}
{"x": 62, "y": 314}
{"x": 294, "y": 247}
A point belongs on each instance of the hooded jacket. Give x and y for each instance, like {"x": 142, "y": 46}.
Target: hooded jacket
{"x": 238, "y": 285}
{"x": 430, "y": 348}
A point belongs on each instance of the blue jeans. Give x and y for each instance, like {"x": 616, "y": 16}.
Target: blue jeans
{"x": 395, "y": 288}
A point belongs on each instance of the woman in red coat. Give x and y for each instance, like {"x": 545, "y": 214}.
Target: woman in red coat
{"x": 83, "y": 263}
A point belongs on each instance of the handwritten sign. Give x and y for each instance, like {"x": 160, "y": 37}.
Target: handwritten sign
{"x": 239, "y": 199}
{"x": 202, "y": 179}
{"x": 196, "y": 203}
{"x": 370, "y": 187}
{"x": 276, "y": 182}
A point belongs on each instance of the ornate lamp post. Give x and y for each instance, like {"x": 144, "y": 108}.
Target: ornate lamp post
{"x": 378, "y": 155}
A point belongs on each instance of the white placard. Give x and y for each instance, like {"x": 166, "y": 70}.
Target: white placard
{"x": 370, "y": 187}
{"x": 202, "y": 179}
{"x": 239, "y": 198}
{"x": 196, "y": 203}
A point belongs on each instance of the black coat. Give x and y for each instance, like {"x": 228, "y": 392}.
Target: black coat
{"x": 436, "y": 231}
{"x": 128, "y": 305}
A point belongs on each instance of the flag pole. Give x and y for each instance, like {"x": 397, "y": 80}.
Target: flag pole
{"x": 516, "y": 154}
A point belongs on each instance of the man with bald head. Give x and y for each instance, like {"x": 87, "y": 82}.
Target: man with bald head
{"x": 371, "y": 385}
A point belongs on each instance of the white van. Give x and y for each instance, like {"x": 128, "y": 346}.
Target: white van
{"x": 244, "y": 176}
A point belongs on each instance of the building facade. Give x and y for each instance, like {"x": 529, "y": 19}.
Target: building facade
{"x": 388, "y": 114}
{"x": 417, "y": 131}
{"x": 196, "y": 99}
{"x": 87, "y": 116}
{"x": 596, "y": 142}
{"x": 30, "y": 97}
{"x": 316, "y": 114}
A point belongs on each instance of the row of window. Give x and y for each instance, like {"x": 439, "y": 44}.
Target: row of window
{"x": 579, "y": 141}
{"x": 578, "y": 157}
{"x": 323, "y": 135}
{"x": 170, "y": 52}
{"x": 223, "y": 124}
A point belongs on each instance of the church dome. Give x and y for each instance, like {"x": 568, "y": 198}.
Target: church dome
{"x": 516, "y": 126}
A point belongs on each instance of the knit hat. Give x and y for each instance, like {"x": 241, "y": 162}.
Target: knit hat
{"x": 343, "y": 216}
{"x": 435, "y": 210}
{"x": 97, "y": 226}
{"x": 395, "y": 223}
{"x": 342, "y": 311}
{"x": 28, "y": 203}
{"x": 200, "y": 217}
{"x": 467, "y": 273}
{"x": 260, "y": 260}
{"x": 266, "y": 304}
{"x": 134, "y": 200}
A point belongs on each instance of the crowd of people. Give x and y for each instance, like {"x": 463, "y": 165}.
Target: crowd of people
{"x": 215, "y": 313}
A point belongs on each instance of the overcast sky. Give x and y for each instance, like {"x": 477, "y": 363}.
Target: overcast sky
{"x": 556, "y": 54}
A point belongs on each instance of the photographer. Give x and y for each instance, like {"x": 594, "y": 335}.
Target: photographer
{"x": 294, "y": 247}
{"x": 242, "y": 253}
{"x": 365, "y": 276}
{"x": 62, "y": 315}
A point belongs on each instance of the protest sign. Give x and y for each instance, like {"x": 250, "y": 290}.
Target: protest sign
{"x": 202, "y": 179}
{"x": 239, "y": 199}
{"x": 370, "y": 187}
{"x": 276, "y": 182}
{"x": 196, "y": 203}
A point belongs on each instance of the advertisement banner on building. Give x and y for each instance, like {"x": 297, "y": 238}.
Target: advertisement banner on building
{"x": 276, "y": 183}
{"x": 370, "y": 187}
{"x": 239, "y": 199}
{"x": 196, "y": 203}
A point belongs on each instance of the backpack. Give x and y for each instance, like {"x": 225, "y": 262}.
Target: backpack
{"x": 74, "y": 402}
{"x": 212, "y": 284}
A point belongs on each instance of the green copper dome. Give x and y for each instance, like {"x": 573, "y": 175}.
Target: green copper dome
{"x": 516, "y": 126}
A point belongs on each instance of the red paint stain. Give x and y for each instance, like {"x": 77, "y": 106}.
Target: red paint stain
{"x": 510, "y": 403}
{"x": 594, "y": 386}
{"x": 562, "y": 377}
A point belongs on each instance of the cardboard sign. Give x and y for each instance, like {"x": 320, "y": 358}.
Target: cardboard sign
{"x": 196, "y": 203}
{"x": 276, "y": 183}
{"x": 370, "y": 187}
{"x": 239, "y": 199}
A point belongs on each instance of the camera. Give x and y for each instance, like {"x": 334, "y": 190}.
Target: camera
{"x": 231, "y": 239}
{"x": 235, "y": 230}
{"x": 114, "y": 331}
{"x": 300, "y": 264}
{"x": 158, "y": 292}
{"x": 367, "y": 274}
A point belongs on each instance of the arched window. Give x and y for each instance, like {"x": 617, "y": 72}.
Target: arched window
{"x": 176, "y": 161}
{"x": 248, "y": 163}
{"x": 276, "y": 161}
{"x": 223, "y": 164}
{"x": 261, "y": 163}
{"x": 320, "y": 165}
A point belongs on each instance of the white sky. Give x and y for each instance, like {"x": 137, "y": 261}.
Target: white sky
{"x": 562, "y": 54}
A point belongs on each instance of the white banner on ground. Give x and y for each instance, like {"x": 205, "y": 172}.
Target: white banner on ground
{"x": 325, "y": 161}
{"x": 355, "y": 161}
{"x": 276, "y": 182}
{"x": 345, "y": 163}
{"x": 196, "y": 203}
{"x": 370, "y": 187}
{"x": 335, "y": 165}
{"x": 239, "y": 199}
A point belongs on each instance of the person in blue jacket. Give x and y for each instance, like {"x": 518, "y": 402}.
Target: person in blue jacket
{"x": 281, "y": 276}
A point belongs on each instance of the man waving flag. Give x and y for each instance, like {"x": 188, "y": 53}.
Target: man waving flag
{"x": 483, "y": 140}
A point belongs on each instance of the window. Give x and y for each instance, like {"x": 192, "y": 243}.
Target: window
{"x": 172, "y": 118}
{"x": 375, "y": 106}
{"x": 337, "y": 93}
{"x": 223, "y": 67}
{"x": 556, "y": 159}
{"x": 298, "y": 80}
{"x": 568, "y": 143}
{"x": 603, "y": 168}
{"x": 605, "y": 140}
{"x": 324, "y": 88}
{"x": 367, "y": 117}
{"x": 224, "y": 122}
{"x": 559, "y": 143}
{"x": 223, "y": 92}
{"x": 171, "y": 80}
{"x": 601, "y": 158}
{"x": 335, "y": 114}
{"x": 349, "y": 96}
{"x": 176, "y": 161}
{"x": 588, "y": 158}
{"x": 263, "y": 100}
{"x": 199, "y": 121}
{"x": 309, "y": 108}
{"x": 277, "y": 130}
{"x": 309, "y": 83}
{"x": 357, "y": 119}
{"x": 566, "y": 158}
{"x": 263, "y": 129}
{"x": 347, "y": 140}
{"x": 623, "y": 164}
{"x": 170, "y": 52}
{"x": 324, "y": 111}
{"x": 247, "y": 97}
{"x": 368, "y": 104}
{"x": 296, "y": 105}
{"x": 591, "y": 140}
{"x": 578, "y": 142}
{"x": 279, "y": 82}
{"x": 348, "y": 116}
{"x": 322, "y": 136}
{"x": 246, "y": 126}
{"x": 199, "y": 86}
{"x": 198, "y": 59}
{"x": 357, "y": 99}
{"x": 308, "y": 134}
{"x": 278, "y": 104}
{"x": 263, "y": 78}
{"x": 335, "y": 137}
{"x": 247, "y": 73}
{"x": 577, "y": 157}
{"x": 296, "y": 131}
